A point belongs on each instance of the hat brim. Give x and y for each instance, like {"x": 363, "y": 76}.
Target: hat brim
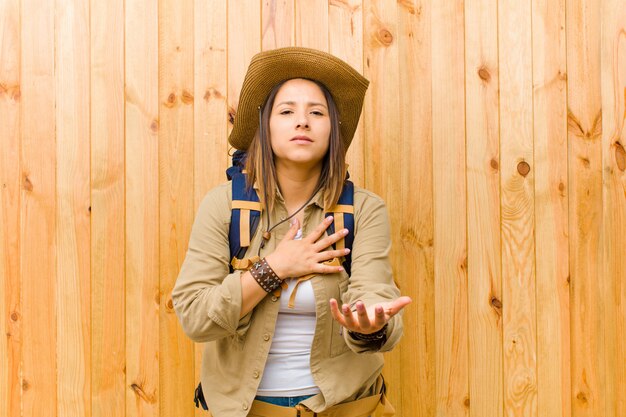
{"x": 346, "y": 85}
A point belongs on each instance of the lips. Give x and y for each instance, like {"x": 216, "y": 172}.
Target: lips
{"x": 301, "y": 139}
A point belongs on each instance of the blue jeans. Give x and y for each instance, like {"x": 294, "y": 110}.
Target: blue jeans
{"x": 283, "y": 401}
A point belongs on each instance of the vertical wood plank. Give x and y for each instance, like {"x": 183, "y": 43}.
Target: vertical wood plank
{"x": 312, "y": 24}
{"x": 381, "y": 126}
{"x": 244, "y": 40}
{"x": 449, "y": 197}
{"x": 416, "y": 357}
{"x": 517, "y": 209}
{"x": 210, "y": 109}
{"x": 10, "y": 308}
{"x": 613, "y": 56}
{"x": 345, "y": 24}
{"x": 483, "y": 209}
{"x": 278, "y": 27}
{"x": 176, "y": 176}
{"x": 585, "y": 207}
{"x": 143, "y": 296}
{"x": 107, "y": 209}
{"x": 73, "y": 302}
{"x": 38, "y": 211}
{"x": 552, "y": 253}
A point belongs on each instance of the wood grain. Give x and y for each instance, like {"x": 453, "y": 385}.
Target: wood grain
{"x": 244, "y": 40}
{"x": 278, "y": 26}
{"x": 176, "y": 173}
{"x": 108, "y": 293}
{"x": 416, "y": 357}
{"x": 312, "y": 24}
{"x": 38, "y": 377}
{"x": 517, "y": 209}
{"x": 345, "y": 25}
{"x": 449, "y": 200}
{"x": 381, "y": 130}
{"x": 483, "y": 209}
{"x": 551, "y": 229}
{"x": 73, "y": 302}
{"x": 143, "y": 392}
{"x": 10, "y": 307}
{"x": 613, "y": 67}
{"x": 585, "y": 207}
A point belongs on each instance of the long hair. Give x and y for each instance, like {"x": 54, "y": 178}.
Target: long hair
{"x": 260, "y": 165}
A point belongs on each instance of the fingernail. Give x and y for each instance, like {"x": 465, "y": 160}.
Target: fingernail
{"x": 344, "y": 232}
{"x": 329, "y": 218}
{"x": 347, "y": 250}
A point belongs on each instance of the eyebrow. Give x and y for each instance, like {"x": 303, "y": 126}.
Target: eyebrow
{"x": 310, "y": 103}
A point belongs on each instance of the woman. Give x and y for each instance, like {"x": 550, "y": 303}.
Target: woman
{"x": 280, "y": 343}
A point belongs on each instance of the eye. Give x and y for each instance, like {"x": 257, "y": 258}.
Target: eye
{"x": 317, "y": 113}
{"x": 285, "y": 111}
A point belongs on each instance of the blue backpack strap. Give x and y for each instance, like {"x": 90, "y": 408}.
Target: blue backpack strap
{"x": 343, "y": 214}
{"x": 245, "y": 210}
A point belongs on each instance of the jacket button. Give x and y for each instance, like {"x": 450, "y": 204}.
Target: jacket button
{"x": 266, "y": 337}
{"x": 274, "y": 298}
{"x": 255, "y": 374}
{"x": 245, "y": 406}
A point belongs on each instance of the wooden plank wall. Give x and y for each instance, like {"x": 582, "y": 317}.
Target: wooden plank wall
{"x": 495, "y": 131}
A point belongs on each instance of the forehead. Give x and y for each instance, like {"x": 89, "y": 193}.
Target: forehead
{"x": 299, "y": 87}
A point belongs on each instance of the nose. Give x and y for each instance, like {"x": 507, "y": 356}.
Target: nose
{"x": 302, "y": 121}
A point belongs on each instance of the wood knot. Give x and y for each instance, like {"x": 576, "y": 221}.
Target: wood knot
{"x": 169, "y": 304}
{"x": 494, "y": 164}
{"x": 523, "y": 168}
{"x": 484, "y": 74}
{"x": 28, "y": 186}
{"x": 154, "y": 126}
{"x": 231, "y": 115}
{"x": 466, "y": 402}
{"x": 139, "y": 392}
{"x": 496, "y": 303}
{"x": 582, "y": 397}
{"x": 187, "y": 97}
{"x": 171, "y": 100}
{"x": 25, "y": 385}
{"x": 15, "y": 316}
{"x": 561, "y": 187}
{"x": 620, "y": 156}
{"x": 385, "y": 37}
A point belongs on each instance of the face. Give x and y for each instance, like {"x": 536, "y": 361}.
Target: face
{"x": 299, "y": 125}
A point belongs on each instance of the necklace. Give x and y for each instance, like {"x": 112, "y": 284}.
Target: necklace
{"x": 268, "y": 232}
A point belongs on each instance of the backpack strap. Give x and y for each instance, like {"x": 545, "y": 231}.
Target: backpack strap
{"x": 245, "y": 213}
{"x": 343, "y": 217}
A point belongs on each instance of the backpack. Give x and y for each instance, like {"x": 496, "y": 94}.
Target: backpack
{"x": 245, "y": 218}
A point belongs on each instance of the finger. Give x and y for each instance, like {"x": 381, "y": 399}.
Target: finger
{"x": 398, "y": 304}
{"x": 319, "y": 230}
{"x": 331, "y": 254}
{"x": 327, "y": 269}
{"x": 364, "y": 320}
{"x": 331, "y": 239}
{"x": 293, "y": 229}
{"x": 334, "y": 310}
{"x": 349, "y": 318}
{"x": 379, "y": 317}
{"x": 392, "y": 308}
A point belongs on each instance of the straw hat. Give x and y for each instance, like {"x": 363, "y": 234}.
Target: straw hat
{"x": 345, "y": 84}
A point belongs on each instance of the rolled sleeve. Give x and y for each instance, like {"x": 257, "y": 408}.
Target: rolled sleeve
{"x": 371, "y": 280}
{"x": 207, "y": 298}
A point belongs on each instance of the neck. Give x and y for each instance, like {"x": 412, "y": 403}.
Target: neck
{"x": 297, "y": 186}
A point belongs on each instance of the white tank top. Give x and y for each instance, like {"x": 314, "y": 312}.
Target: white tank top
{"x": 288, "y": 370}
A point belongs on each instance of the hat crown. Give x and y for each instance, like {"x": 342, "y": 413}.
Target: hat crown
{"x": 269, "y": 68}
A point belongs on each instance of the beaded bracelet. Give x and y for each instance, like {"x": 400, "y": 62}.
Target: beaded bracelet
{"x": 377, "y": 336}
{"x": 265, "y": 276}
